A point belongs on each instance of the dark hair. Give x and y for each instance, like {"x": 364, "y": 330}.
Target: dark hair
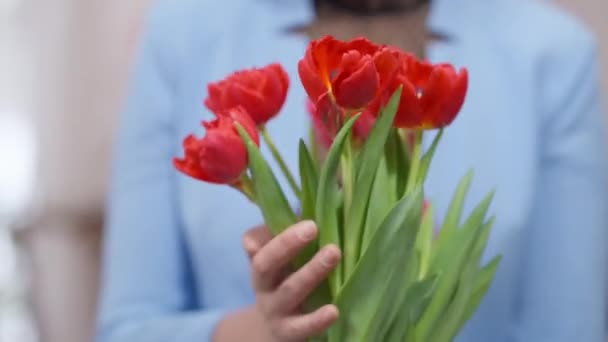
{"x": 372, "y": 6}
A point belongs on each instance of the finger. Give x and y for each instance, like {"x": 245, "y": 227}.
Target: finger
{"x": 302, "y": 327}
{"x": 255, "y": 238}
{"x": 271, "y": 259}
{"x": 295, "y": 289}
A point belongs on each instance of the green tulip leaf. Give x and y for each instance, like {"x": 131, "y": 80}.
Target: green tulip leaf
{"x": 481, "y": 243}
{"x": 450, "y": 262}
{"x": 452, "y": 218}
{"x": 395, "y": 165}
{"x": 401, "y": 161}
{"x": 388, "y": 185}
{"x": 447, "y": 326}
{"x": 425, "y": 162}
{"x": 308, "y": 195}
{"x": 409, "y": 312}
{"x": 452, "y": 319}
{"x": 366, "y": 295}
{"x": 314, "y": 148}
{"x": 309, "y": 180}
{"x": 424, "y": 242}
{"x": 366, "y": 166}
{"x": 269, "y": 195}
{"x": 382, "y": 193}
{"x": 327, "y": 199}
{"x": 483, "y": 280}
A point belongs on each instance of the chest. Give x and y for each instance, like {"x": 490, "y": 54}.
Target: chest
{"x": 482, "y": 138}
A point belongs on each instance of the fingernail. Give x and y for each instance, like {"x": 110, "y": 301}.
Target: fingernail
{"x": 330, "y": 312}
{"x": 329, "y": 257}
{"x": 250, "y": 245}
{"x": 306, "y": 231}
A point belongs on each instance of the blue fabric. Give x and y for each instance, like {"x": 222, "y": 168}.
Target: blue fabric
{"x": 531, "y": 128}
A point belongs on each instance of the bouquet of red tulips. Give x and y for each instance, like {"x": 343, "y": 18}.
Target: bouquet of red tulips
{"x": 361, "y": 179}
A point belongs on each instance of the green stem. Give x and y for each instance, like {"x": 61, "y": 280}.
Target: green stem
{"x": 279, "y": 159}
{"x": 245, "y": 186}
{"x": 350, "y": 240}
{"x": 415, "y": 162}
{"x": 315, "y": 149}
{"x": 347, "y": 176}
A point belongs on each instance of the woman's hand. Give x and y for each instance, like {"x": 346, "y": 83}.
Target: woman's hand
{"x": 280, "y": 293}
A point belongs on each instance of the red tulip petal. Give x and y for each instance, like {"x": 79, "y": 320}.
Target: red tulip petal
{"x": 436, "y": 96}
{"x": 191, "y": 145}
{"x": 261, "y": 91}
{"x": 253, "y": 102}
{"x": 418, "y": 72}
{"x": 363, "y": 45}
{"x": 351, "y": 61}
{"x": 281, "y": 73}
{"x": 327, "y": 54}
{"x": 239, "y": 115}
{"x": 220, "y": 156}
{"x": 274, "y": 92}
{"x": 409, "y": 112}
{"x": 387, "y": 64}
{"x": 223, "y": 157}
{"x": 186, "y": 167}
{"x": 459, "y": 92}
{"x": 214, "y": 91}
{"x": 311, "y": 81}
{"x": 359, "y": 88}
{"x": 189, "y": 164}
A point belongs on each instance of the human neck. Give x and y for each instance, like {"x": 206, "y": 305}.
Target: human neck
{"x": 405, "y": 29}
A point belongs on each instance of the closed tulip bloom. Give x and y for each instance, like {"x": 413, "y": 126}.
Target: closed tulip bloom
{"x": 433, "y": 94}
{"x": 260, "y": 91}
{"x": 220, "y": 156}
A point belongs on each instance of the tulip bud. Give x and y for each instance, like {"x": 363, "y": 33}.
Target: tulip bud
{"x": 432, "y": 96}
{"x": 220, "y": 156}
{"x": 260, "y": 91}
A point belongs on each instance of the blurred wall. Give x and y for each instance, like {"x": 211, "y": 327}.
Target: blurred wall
{"x": 78, "y": 52}
{"x": 595, "y": 14}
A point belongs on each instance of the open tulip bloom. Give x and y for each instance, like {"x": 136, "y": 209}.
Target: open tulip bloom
{"x": 361, "y": 180}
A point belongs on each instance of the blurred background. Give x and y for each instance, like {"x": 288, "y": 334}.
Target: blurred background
{"x": 63, "y": 68}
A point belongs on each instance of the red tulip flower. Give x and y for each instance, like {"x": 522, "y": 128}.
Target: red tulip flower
{"x": 432, "y": 94}
{"x": 220, "y": 156}
{"x": 353, "y": 73}
{"x": 260, "y": 91}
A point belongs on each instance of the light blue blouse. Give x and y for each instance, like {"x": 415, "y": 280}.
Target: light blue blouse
{"x": 531, "y": 128}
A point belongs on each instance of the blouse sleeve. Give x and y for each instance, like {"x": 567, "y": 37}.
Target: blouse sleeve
{"x": 146, "y": 291}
